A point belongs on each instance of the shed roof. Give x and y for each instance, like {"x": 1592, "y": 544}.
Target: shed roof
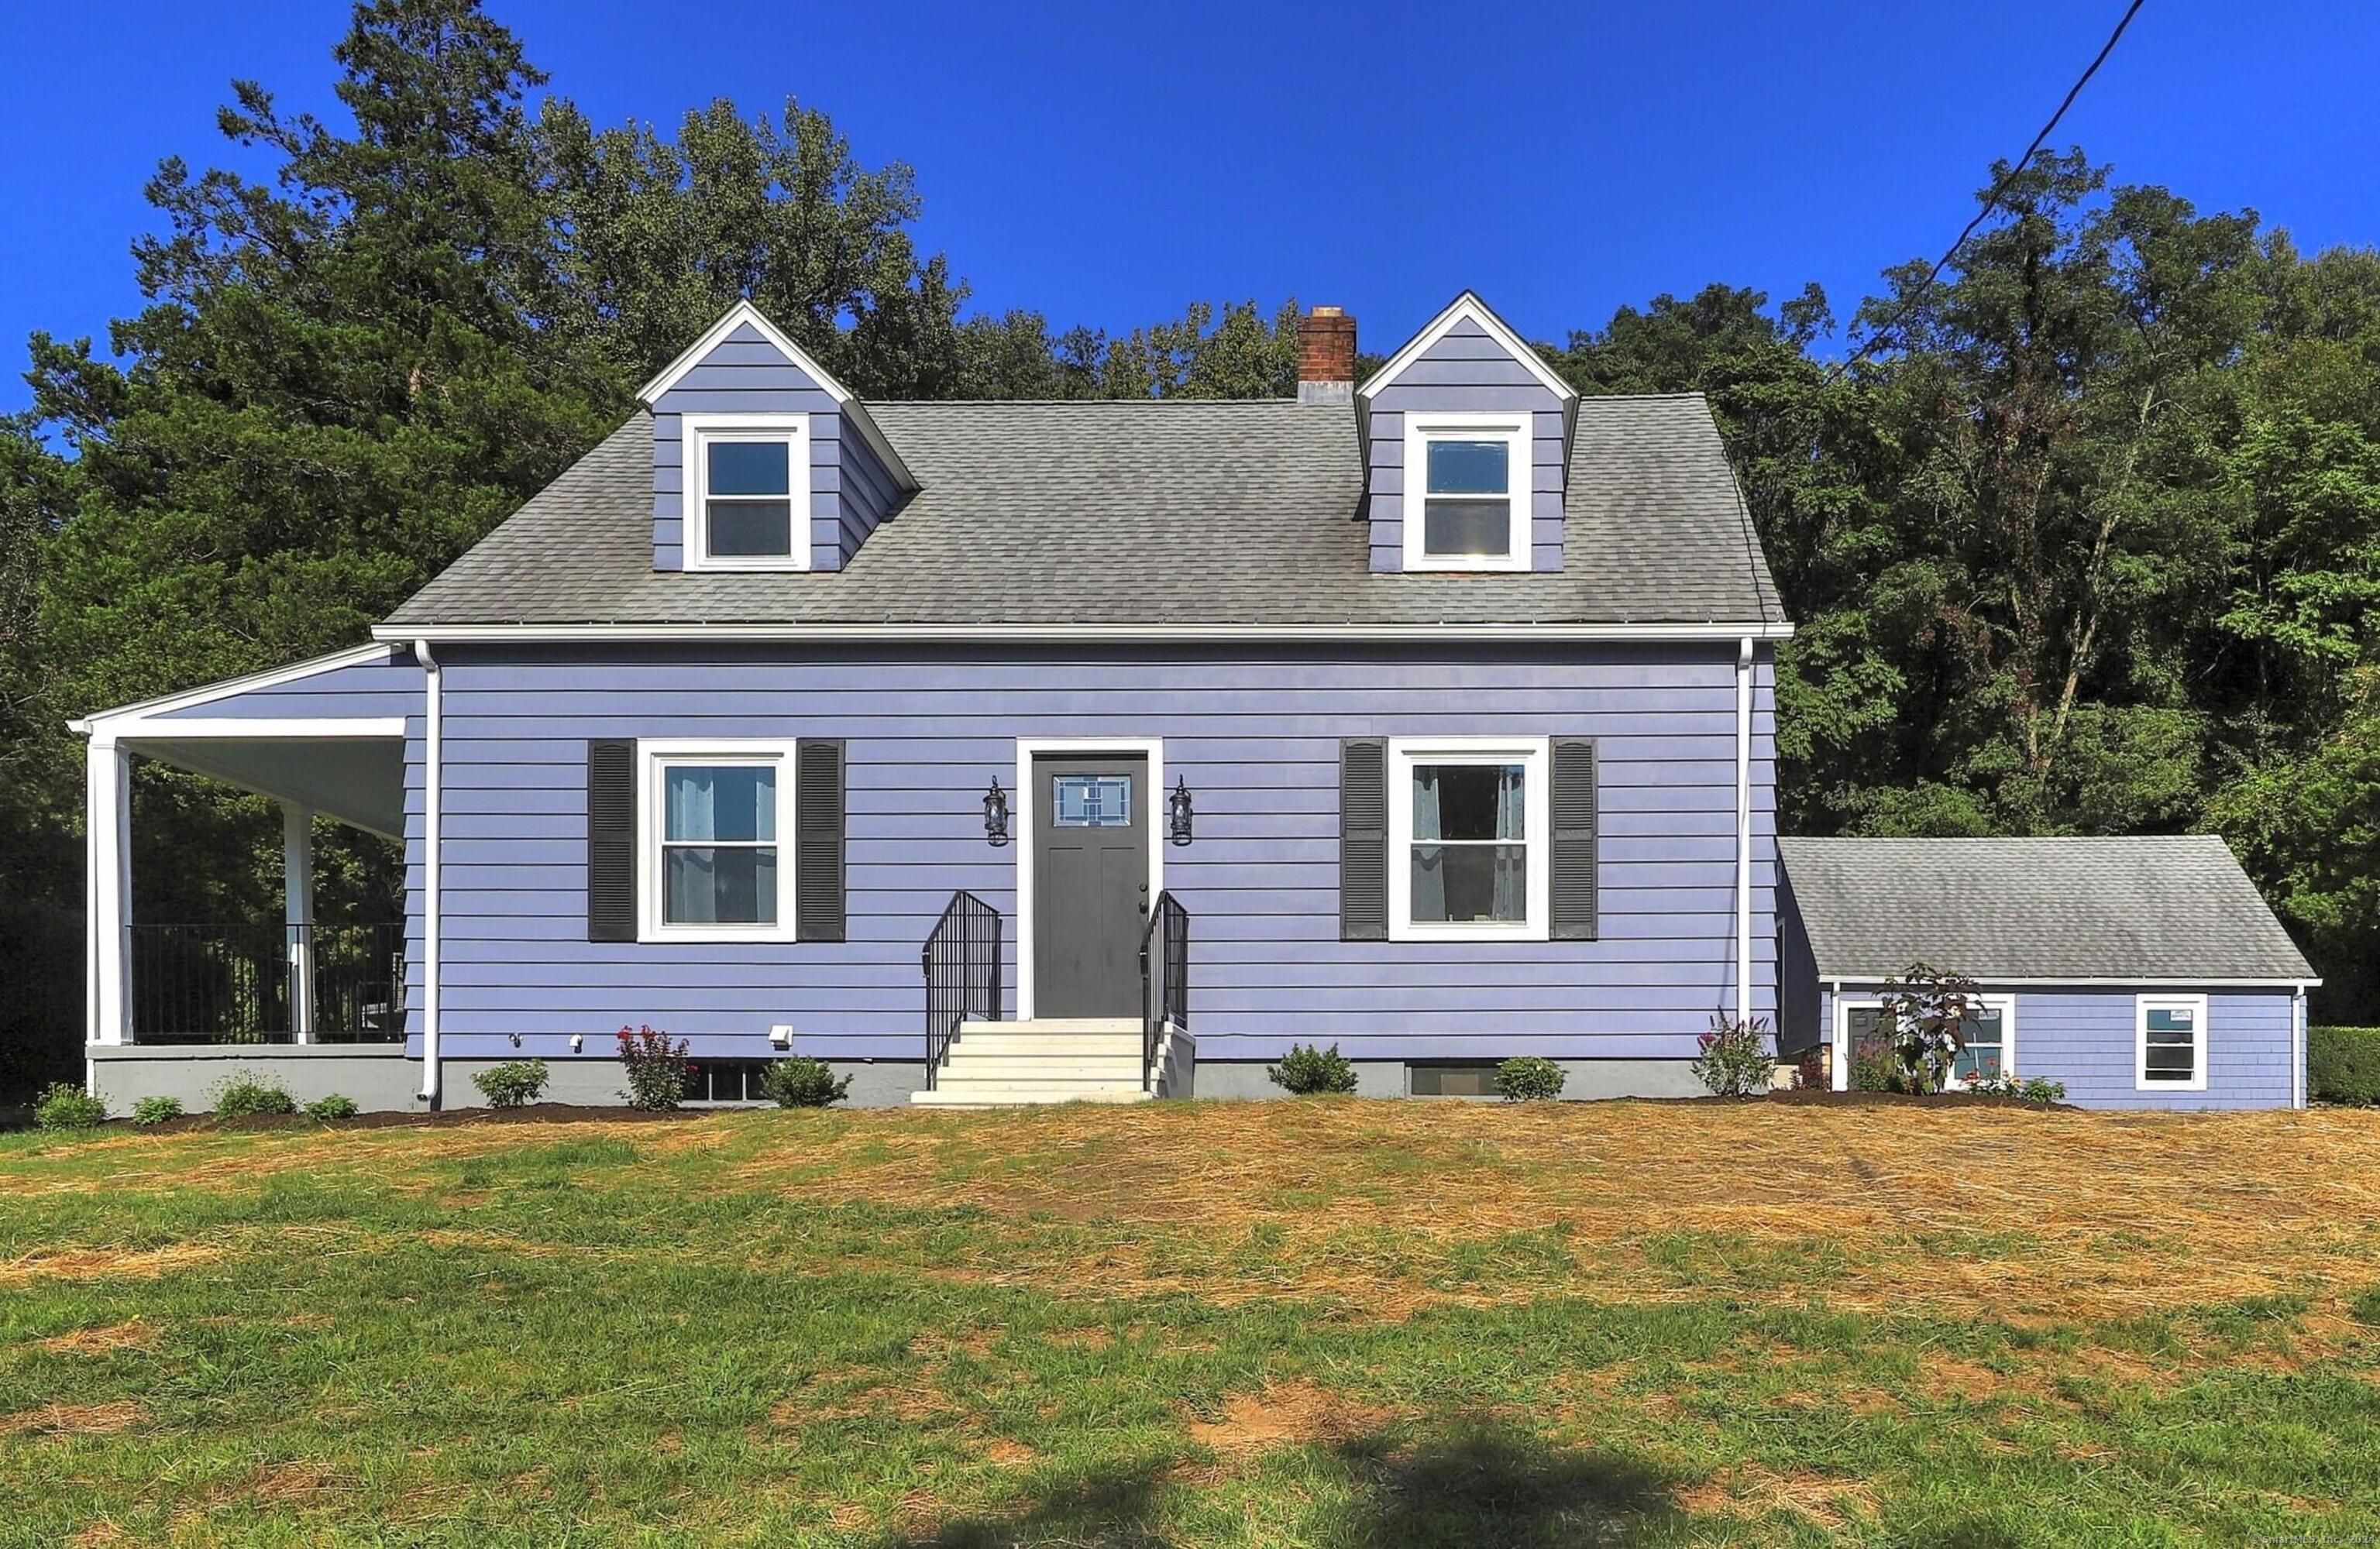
{"x": 2168, "y": 908}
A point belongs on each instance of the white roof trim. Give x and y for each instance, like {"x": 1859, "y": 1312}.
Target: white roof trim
{"x": 303, "y": 729}
{"x": 744, "y": 313}
{"x": 1862, "y": 982}
{"x": 1469, "y": 306}
{"x": 382, "y": 648}
{"x": 1081, "y": 631}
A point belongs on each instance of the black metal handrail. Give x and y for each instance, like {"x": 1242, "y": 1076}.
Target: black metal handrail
{"x": 960, "y": 959}
{"x": 1164, "y": 979}
{"x": 245, "y": 984}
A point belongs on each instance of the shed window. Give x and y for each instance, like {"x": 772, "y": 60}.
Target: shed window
{"x": 2172, "y": 1042}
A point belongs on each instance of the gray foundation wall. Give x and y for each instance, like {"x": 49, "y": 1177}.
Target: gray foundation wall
{"x": 378, "y": 1076}
{"x": 1390, "y": 1078}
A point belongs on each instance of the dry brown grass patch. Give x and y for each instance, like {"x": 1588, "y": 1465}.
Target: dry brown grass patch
{"x": 133, "y": 1335}
{"x": 97, "y": 1264}
{"x": 75, "y": 1420}
{"x": 1753, "y": 1491}
{"x": 1289, "y": 1414}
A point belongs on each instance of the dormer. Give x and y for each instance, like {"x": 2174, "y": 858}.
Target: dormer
{"x": 762, "y": 460}
{"x": 1466, "y": 435}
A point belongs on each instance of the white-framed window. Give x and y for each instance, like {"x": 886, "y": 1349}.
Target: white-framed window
{"x": 2171, "y": 1033}
{"x": 1469, "y": 831}
{"x": 747, "y": 491}
{"x": 716, "y": 837}
{"x": 1468, "y": 480}
{"x": 1990, "y": 1033}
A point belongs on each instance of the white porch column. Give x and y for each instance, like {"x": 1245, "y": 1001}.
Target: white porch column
{"x": 298, "y": 914}
{"x": 108, "y": 891}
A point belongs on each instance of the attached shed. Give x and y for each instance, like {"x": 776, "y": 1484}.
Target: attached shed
{"x": 2140, "y": 973}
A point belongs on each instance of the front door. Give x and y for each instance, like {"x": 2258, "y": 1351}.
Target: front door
{"x": 1090, "y": 883}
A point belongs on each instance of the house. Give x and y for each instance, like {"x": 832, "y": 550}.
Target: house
{"x": 1430, "y": 716}
{"x": 2137, "y": 972}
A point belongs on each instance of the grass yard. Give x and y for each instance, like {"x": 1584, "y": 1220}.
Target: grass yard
{"x": 1314, "y": 1322}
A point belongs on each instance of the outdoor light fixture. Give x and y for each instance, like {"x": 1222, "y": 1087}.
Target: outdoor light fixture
{"x": 1177, "y": 806}
{"x": 995, "y": 813}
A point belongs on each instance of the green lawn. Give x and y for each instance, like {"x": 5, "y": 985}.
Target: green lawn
{"x": 1322, "y": 1323}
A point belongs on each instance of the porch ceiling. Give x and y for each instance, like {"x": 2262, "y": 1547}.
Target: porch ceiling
{"x": 356, "y": 781}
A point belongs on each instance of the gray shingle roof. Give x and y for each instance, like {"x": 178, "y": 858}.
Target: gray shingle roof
{"x": 2150, "y": 908}
{"x": 1231, "y": 512}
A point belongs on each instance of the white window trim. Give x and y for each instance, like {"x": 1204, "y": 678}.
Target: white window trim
{"x": 651, "y": 757}
{"x": 694, "y": 430}
{"x": 1518, "y": 431}
{"x": 2142, "y": 1006}
{"x": 1846, "y": 1004}
{"x": 1537, "y": 818}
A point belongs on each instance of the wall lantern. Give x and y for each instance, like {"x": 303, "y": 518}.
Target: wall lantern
{"x": 1177, "y": 806}
{"x": 995, "y": 813}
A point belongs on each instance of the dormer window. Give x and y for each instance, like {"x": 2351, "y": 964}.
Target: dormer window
{"x": 1466, "y": 503}
{"x": 747, "y": 491}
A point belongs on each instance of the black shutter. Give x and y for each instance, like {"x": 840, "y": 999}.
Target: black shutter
{"x": 1363, "y": 839}
{"x": 1574, "y": 839}
{"x": 818, "y": 841}
{"x": 611, "y": 841}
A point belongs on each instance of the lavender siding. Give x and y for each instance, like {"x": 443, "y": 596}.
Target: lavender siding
{"x": 850, "y": 491}
{"x": 1257, "y": 736}
{"x": 1466, "y": 371}
{"x": 2086, "y": 1037}
{"x": 370, "y": 689}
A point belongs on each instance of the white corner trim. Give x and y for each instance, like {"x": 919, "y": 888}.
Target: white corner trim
{"x": 653, "y": 754}
{"x": 1468, "y": 306}
{"x": 382, "y": 648}
{"x": 744, "y": 313}
{"x": 2202, "y": 1041}
{"x": 1020, "y": 822}
{"x": 433, "y": 770}
{"x": 1517, "y": 431}
{"x": 1537, "y": 828}
{"x": 694, "y": 481}
{"x": 1743, "y": 664}
{"x": 327, "y": 729}
{"x": 1062, "y": 633}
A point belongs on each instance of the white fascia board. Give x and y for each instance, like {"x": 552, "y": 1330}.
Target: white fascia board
{"x": 2113, "y": 981}
{"x": 382, "y": 648}
{"x": 1469, "y": 306}
{"x": 744, "y": 313}
{"x": 1061, "y": 634}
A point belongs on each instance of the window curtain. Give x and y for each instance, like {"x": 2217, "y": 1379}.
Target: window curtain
{"x": 1428, "y": 870}
{"x": 1512, "y": 855}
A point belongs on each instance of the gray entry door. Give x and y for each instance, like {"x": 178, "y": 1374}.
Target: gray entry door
{"x": 1090, "y": 884}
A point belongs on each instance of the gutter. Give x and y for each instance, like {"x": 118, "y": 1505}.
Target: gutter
{"x": 432, "y": 762}
{"x": 1060, "y": 634}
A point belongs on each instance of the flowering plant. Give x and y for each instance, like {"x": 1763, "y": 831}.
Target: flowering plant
{"x": 659, "y": 1072}
{"x": 1733, "y": 1060}
{"x": 1925, "y": 1015}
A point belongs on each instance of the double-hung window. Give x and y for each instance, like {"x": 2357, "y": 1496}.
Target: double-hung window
{"x": 1468, "y": 480}
{"x": 1989, "y": 1029}
{"x": 1469, "y": 821}
{"x": 747, "y": 491}
{"x": 2171, "y": 1036}
{"x": 715, "y": 868}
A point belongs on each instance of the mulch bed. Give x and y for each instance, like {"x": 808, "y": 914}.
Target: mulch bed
{"x": 1819, "y": 1096}
{"x": 539, "y": 1113}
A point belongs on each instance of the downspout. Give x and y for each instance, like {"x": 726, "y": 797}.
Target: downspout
{"x": 1839, "y": 1038}
{"x": 432, "y": 760}
{"x": 1743, "y": 831}
{"x": 2298, "y": 1092}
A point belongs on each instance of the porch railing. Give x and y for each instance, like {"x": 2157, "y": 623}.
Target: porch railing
{"x": 1164, "y": 979}
{"x": 960, "y": 959}
{"x": 266, "y": 984}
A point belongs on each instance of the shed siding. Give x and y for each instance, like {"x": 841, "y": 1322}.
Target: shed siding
{"x": 372, "y": 689}
{"x": 1257, "y": 736}
{"x": 1467, "y": 371}
{"x": 850, "y": 491}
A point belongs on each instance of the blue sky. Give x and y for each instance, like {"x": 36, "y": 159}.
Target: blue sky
{"x": 1107, "y": 163}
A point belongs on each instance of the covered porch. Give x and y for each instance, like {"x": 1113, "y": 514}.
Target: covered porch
{"x": 323, "y": 739}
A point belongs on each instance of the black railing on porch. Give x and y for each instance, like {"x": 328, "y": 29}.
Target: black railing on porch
{"x": 962, "y": 965}
{"x": 247, "y": 984}
{"x": 1164, "y": 979}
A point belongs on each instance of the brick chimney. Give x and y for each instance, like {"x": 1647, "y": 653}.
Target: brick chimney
{"x": 1326, "y": 356}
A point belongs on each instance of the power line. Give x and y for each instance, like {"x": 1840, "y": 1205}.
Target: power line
{"x": 1991, "y": 201}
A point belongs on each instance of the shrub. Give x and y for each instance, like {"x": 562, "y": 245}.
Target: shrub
{"x": 1874, "y": 1068}
{"x": 1925, "y": 1013}
{"x": 2343, "y": 1065}
{"x": 156, "y": 1110}
{"x": 332, "y": 1106}
{"x": 243, "y": 1095}
{"x": 1734, "y": 1060}
{"x": 65, "y": 1107}
{"x": 2032, "y": 1089}
{"x": 1810, "y": 1071}
{"x": 513, "y": 1084}
{"x": 1529, "y": 1080}
{"x": 803, "y": 1082}
{"x": 1307, "y": 1070}
{"x": 659, "y": 1071}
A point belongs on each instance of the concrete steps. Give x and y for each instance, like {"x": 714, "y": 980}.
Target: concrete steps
{"x": 1082, "y": 1060}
